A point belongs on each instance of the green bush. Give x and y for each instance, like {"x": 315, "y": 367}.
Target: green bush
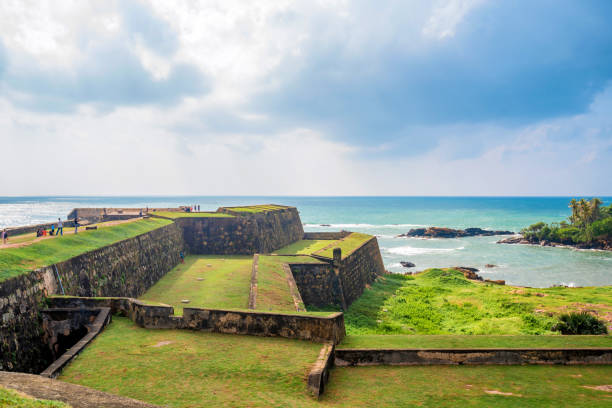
{"x": 580, "y": 323}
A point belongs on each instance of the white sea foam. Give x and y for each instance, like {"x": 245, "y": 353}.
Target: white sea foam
{"x": 363, "y": 226}
{"x": 408, "y": 250}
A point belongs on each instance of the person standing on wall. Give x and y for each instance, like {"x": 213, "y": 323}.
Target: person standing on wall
{"x": 4, "y": 236}
{"x": 60, "y": 227}
{"x": 76, "y": 225}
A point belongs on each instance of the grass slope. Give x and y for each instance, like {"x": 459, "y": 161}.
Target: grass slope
{"x": 12, "y": 398}
{"x": 256, "y": 208}
{"x": 347, "y": 244}
{"x": 304, "y": 247}
{"x": 444, "y": 302}
{"x": 183, "y": 368}
{"x": 470, "y": 341}
{"x": 225, "y": 283}
{"x": 16, "y": 261}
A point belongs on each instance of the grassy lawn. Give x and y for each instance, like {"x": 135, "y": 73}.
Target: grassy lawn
{"x": 348, "y": 245}
{"x": 12, "y": 398}
{"x": 180, "y": 214}
{"x": 469, "y": 386}
{"x": 15, "y": 261}
{"x": 471, "y": 341}
{"x": 304, "y": 247}
{"x": 225, "y": 283}
{"x": 183, "y": 368}
{"x": 444, "y": 302}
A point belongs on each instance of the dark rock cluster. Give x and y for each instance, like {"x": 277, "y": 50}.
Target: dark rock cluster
{"x": 440, "y": 232}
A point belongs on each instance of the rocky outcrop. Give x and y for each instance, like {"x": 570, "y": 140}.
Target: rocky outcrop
{"x": 407, "y": 264}
{"x": 519, "y": 239}
{"x": 469, "y": 273}
{"x": 440, "y": 232}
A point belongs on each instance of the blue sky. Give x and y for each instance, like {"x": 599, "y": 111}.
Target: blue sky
{"x": 449, "y": 97}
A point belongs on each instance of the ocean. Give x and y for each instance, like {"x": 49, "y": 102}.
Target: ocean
{"x": 387, "y": 217}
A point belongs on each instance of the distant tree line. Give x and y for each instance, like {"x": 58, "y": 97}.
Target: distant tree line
{"x": 589, "y": 222}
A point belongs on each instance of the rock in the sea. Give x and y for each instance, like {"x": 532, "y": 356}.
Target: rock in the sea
{"x": 439, "y": 232}
{"x": 469, "y": 273}
{"x": 512, "y": 240}
{"x": 490, "y": 266}
{"x": 407, "y": 264}
{"x": 324, "y": 225}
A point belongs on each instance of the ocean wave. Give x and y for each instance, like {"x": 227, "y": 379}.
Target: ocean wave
{"x": 408, "y": 250}
{"x": 369, "y": 226}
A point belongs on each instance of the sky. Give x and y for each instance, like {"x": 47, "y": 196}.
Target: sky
{"x": 233, "y": 97}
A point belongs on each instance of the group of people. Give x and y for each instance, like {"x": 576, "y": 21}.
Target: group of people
{"x": 193, "y": 208}
{"x": 42, "y": 231}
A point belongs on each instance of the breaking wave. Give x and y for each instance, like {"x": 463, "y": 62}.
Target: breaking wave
{"x": 408, "y": 250}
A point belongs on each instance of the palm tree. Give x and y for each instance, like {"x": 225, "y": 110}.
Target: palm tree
{"x": 585, "y": 212}
{"x": 574, "y": 206}
{"x": 595, "y": 211}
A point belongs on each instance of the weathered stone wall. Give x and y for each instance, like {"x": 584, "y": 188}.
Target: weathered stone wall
{"x": 318, "y": 284}
{"x": 251, "y": 322}
{"x": 242, "y": 235}
{"x": 324, "y": 284}
{"x": 126, "y": 268}
{"x": 366, "y": 357}
{"x": 360, "y": 269}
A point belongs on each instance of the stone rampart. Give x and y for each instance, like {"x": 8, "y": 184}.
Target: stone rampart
{"x": 366, "y": 357}
{"x": 126, "y": 268}
{"x": 242, "y": 235}
{"x": 339, "y": 282}
{"x": 360, "y": 269}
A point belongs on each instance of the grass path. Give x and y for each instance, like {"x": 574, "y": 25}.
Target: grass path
{"x": 304, "y": 247}
{"x": 215, "y": 281}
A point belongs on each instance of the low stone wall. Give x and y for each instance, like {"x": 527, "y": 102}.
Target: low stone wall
{"x": 126, "y": 268}
{"x": 335, "y": 235}
{"x": 241, "y": 235}
{"x": 33, "y": 228}
{"x": 366, "y": 357}
{"x": 319, "y": 375}
{"x": 294, "y": 326}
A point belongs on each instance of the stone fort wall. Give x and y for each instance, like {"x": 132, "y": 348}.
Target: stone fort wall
{"x": 342, "y": 281}
{"x": 126, "y": 268}
{"x": 242, "y": 235}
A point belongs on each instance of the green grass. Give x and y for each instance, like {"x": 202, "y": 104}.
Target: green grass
{"x": 471, "y": 341}
{"x": 468, "y": 386}
{"x": 256, "y": 208}
{"x": 273, "y": 291}
{"x": 444, "y": 302}
{"x": 12, "y": 398}
{"x": 347, "y": 244}
{"x": 16, "y": 261}
{"x": 304, "y": 247}
{"x": 179, "y": 214}
{"x": 225, "y": 283}
{"x": 183, "y": 368}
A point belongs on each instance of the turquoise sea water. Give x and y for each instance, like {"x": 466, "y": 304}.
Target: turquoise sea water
{"x": 388, "y": 217}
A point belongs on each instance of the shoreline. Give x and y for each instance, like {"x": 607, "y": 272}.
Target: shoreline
{"x": 520, "y": 240}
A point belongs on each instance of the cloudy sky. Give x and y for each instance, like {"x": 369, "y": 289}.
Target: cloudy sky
{"x": 448, "y": 97}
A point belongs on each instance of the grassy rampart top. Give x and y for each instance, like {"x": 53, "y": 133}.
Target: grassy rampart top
{"x": 348, "y": 245}
{"x": 251, "y": 209}
{"x": 19, "y": 260}
{"x": 180, "y": 214}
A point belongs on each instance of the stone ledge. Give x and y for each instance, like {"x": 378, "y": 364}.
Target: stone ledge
{"x": 77, "y": 396}
{"x": 319, "y": 375}
{"x": 488, "y": 356}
